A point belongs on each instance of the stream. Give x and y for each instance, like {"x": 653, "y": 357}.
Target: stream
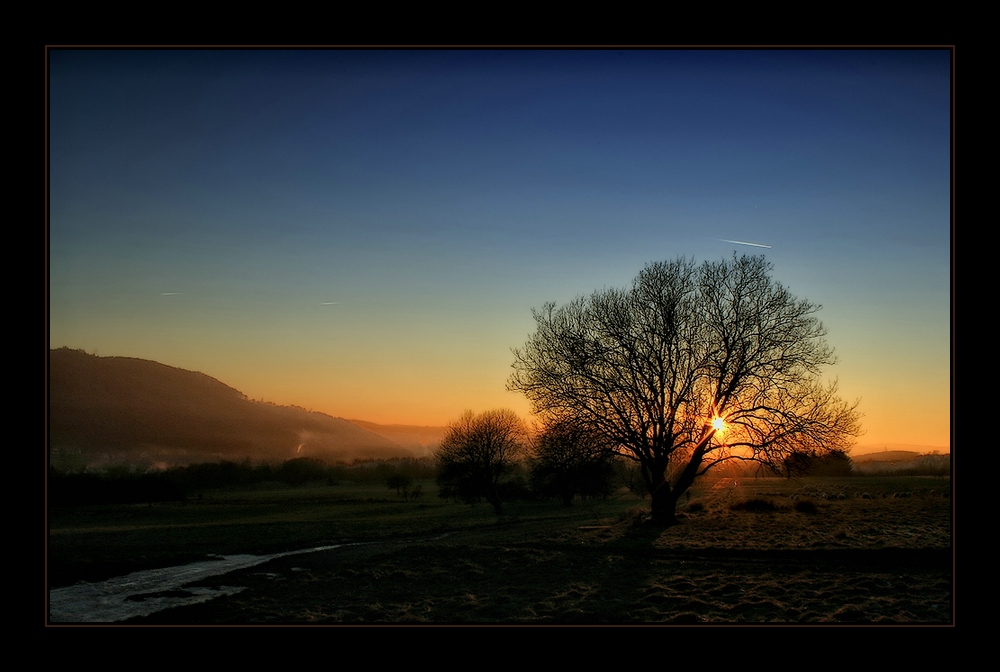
{"x": 151, "y": 590}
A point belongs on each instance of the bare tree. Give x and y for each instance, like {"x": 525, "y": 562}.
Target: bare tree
{"x": 477, "y": 451}
{"x": 689, "y": 368}
{"x": 571, "y": 459}
{"x": 401, "y": 483}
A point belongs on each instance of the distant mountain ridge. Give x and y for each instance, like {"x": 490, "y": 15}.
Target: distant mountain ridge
{"x": 870, "y": 448}
{"x": 105, "y": 410}
{"x": 887, "y": 456}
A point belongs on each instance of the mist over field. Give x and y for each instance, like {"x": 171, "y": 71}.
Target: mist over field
{"x": 421, "y": 441}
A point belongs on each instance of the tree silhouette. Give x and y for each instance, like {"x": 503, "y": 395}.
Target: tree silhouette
{"x": 571, "y": 459}
{"x": 477, "y": 451}
{"x": 401, "y": 483}
{"x": 689, "y": 368}
{"x": 834, "y": 463}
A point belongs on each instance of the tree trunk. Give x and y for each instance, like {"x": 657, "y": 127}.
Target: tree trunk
{"x": 493, "y": 497}
{"x": 664, "y": 507}
{"x": 663, "y": 502}
{"x": 664, "y": 497}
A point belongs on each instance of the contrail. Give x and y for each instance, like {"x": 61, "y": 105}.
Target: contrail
{"x": 171, "y": 293}
{"x": 743, "y": 242}
{"x": 329, "y": 303}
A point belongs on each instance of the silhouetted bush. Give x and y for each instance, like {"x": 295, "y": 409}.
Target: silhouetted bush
{"x": 118, "y": 486}
{"x": 401, "y": 484}
{"x": 378, "y": 471}
{"x": 124, "y": 484}
{"x": 301, "y": 470}
{"x": 515, "y": 488}
{"x": 834, "y": 463}
{"x": 805, "y": 506}
{"x": 755, "y": 505}
{"x": 571, "y": 460}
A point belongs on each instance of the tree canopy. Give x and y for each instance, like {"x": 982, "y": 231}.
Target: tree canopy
{"x": 692, "y": 366}
{"x": 571, "y": 459}
{"x": 477, "y": 451}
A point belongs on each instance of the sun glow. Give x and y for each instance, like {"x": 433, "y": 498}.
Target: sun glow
{"x": 718, "y": 424}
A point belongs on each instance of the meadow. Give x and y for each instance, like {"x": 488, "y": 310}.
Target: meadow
{"x": 872, "y": 549}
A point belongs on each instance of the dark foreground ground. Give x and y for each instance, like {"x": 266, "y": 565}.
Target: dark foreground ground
{"x": 882, "y": 559}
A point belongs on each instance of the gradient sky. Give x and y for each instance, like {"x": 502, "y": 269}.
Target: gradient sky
{"x": 365, "y": 233}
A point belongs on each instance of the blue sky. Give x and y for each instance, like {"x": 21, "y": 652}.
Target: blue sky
{"x": 364, "y": 233}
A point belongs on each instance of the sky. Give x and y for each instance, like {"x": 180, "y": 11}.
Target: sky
{"x": 365, "y": 232}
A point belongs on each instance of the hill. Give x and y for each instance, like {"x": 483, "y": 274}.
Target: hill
{"x": 106, "y": 410}
{"x": 903, "y": 461}
{"x": 887, "y": 456}
{"x": 420, "y": 440}
{"x": 870, "y": 448}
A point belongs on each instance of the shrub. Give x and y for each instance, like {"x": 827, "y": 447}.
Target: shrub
{"x": 805, "y": 506}
{"x": 834, "y": 463}
{"x": 695, "y": 507}
{"x": 755, "y": 505}
{"x": 401, "y": 484}
{"x": 301, "y": 470}
{"x": 572, "y": 460}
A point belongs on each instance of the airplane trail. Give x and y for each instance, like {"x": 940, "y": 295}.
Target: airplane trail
{"x": 743, "y": 242}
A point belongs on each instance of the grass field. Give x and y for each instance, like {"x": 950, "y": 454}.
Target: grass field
{"x": 757, "y": 551}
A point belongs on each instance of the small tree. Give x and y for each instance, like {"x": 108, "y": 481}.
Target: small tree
{"x": 477, "y": 451}
{"x": 401, "y": 483}
{"x": 572, "y": 459}
{"x": 691, "y": 367}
